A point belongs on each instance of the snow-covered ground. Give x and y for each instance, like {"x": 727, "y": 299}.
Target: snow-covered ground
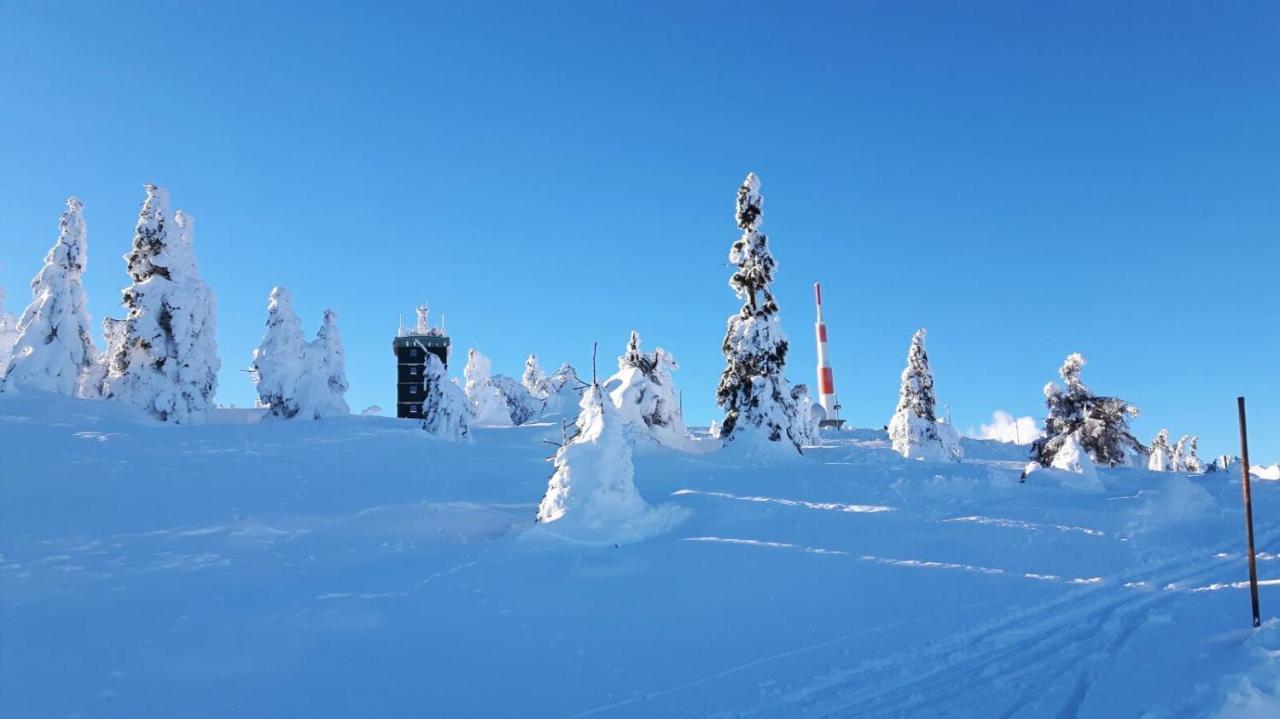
{"x": 359, "y": 567}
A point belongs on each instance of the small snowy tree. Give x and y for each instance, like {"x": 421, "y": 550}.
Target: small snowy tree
{"x": 324, "y": 384}
{"x": 808, "y": 415}
{"x": 1100, "y": 425}
{"x": 644, "y": 394}
{"x": 1184, "y": 455}
{"x": 279, "y": 362}
{"x": 446, "y": 413}
{"x": 54, "y": 350}
{"x": 914, "y": 429}
{"x": 521, "y": 405}
{"x": 534, "y": 379}
{"x": 565, "y": 390}
{"x": 1161, "y": 456}
{"x": 490, "y": 407}
{"x": 8, "y": 335}
{"x": 166, "y": 359}
{"x": 752, "y": 391}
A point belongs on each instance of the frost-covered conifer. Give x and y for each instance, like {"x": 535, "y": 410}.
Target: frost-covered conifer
{"x": 446, "y": 413}
{"x": 279, "y": 362}
{"x": 914, "y": 429}
{"x": 486, "y": 400}
{"x": 166, "y": 361}
{"x": 53, "y": 350}
{"x": 566, "y": 390}
{"x": 8, "y": 335}
{"x": 1099, "y": 424}
{"x": 644, "y": 394}
{"x": 521, "y": 405}
{"x": 808, "y": 415}
{"x": 1160, "y": 458}
{"x": 325, "y": 383}
{"x": 534, "y": 379}
{"x": 752, "y": 391}
{"x": 1184, "y": 455}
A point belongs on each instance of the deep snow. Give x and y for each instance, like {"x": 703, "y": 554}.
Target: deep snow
{"x": 358, "y": 567}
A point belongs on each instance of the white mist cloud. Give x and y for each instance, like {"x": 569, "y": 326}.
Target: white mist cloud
{"x": 1005, "y": 428}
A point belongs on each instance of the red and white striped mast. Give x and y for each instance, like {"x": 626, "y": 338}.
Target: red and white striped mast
{"x": 826, "y": 381}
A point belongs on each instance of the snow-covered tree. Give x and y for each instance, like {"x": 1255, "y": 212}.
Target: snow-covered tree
{"x": 521, "y": 405}
{"x": 752, "y": 391}
{"x": 534, "y": 379}
{"x": 1099, "y": 424}
{"x": 1160, "y": 458}
{"x": 486, "y": 400}
{"x": 644, "y": 394}
{"x": 1184, "y": 455}
{"x": 446, "y": 413}
{"x": 914, "y": 429}
{"x": 54, "y": 350}
{"x": 565, "y": 390}
{"x": 280, "y": 362}
{"x": 325, "y": 381}
{"x": 808, "y": 415}
{"x": 166, "y": 362}
{"x": 8, "y": 335}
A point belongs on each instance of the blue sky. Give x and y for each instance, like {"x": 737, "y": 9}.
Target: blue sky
{"x": 1023, "y": 179}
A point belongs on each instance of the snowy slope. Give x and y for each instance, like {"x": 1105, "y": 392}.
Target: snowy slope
{"x": 358, "y": 567}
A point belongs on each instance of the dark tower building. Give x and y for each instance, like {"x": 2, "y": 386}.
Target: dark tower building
{"x": 411, "y": 347}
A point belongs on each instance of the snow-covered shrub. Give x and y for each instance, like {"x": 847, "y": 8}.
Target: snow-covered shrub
{"x": 1072, "y": 457}
{"x": 166, "y": 362}
{"x": 279, "y": 362}
{"x": 296, "y": 378}
{"x": 372, "y": 410}
{"x": 521, "y": 405}
{"x": 645, "y": 396}
{"x": 1098, "y": 424}
{"x": 1160, "y": 457}
{"x": 808, "y": 415}
{"x": 914, "y": 429}
{"x": 752, "y": 391}
{"x": 8, "y": 335}
{"x": 52, "y": 344}
{"x": 592, "y": 495}
{"x": 325, "y": 383}
{"x": 1184, "y": 455}
{"x": 534, "y": 379}
{"x": 490, "y": 408}
{"x": 446, "y": 413}
{"x": 566, "y": 390}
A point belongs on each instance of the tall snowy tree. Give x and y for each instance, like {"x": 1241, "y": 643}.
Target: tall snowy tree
{"x": 279, "y": 362}
{"x": 1160, "y": 458}
{"x": 1100, "y": 425}
{"x": 167, "y": 359}
{"x": 644, "y": 394}
{"x": 914, "y": 429}
{"x": 1184, "y": 455}
{"x": 8, "y": 336}
{"x": 489, "y": 405}
{"x": 53, "y": 350}
{"x": 325, "y": 382}
{"x": 752, "y": 391}
{"x": 446, "y": 413}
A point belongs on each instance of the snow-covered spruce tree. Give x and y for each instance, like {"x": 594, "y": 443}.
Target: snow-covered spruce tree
{"x": 446, "y": 413}
{"x": 54, "y": 349}
{"x": 914, "y": 429}
{"x": 752, "y": 391}
{"x": 644, "y": 394}
{"x": 1099, "y": 424}
{"x": 8, "y": 335}
{"x": 808, "y": 415}
{"x": 325, "y": 381}
{"x": 566, "y": 390}
{"x": 167, "y": 359}
{"x": 1184, "y": 455}
{"x": 522, "y": 406}
{"x": 534, "y": 379}
{"x": 279, "y": 362}
{"x": 1160, "y": 458}
{"x": 486, "y": 400}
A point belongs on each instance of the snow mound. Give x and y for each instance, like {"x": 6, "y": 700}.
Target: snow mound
{"x": 1265, "y": 471}
{"x": 1071, "y": 468}
{"x": 1256, "y": 693}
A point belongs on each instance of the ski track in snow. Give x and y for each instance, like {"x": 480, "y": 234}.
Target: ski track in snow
{"x": 1030, "y": 526}
{"x": 828, "y": 506}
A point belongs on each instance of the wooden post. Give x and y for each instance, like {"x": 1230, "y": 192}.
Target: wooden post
{"x": 1248, "y": 513}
